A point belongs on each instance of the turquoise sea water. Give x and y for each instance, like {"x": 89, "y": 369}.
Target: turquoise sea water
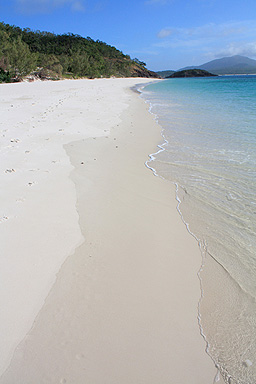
{"x": 209, "y": 126}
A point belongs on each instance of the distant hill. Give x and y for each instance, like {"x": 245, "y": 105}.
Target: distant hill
{"x": 165, "y": 74}
{"x": 229, "y": 66}
{"x": 191, "y": 73}
{"x": 45, "y": 55}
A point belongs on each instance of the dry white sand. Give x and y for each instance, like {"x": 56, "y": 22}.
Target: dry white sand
{"x": 78, "y": 201}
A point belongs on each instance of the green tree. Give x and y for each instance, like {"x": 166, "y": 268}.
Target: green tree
{"x": 20, "y": 60}
{"x": 5, "y": 47}
{"x": 4, "y": 76}
{"x": 50, "y": 62}
{"x": 80, "y": 64}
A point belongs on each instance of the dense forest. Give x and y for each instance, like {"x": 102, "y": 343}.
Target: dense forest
{"x": 45, "y": 55}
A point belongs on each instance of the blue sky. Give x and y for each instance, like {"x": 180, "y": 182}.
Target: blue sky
{"x": 166, "y": 34}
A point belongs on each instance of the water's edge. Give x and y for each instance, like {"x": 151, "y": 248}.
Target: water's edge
{"x": 202, "y": 246}
{"x": 227, "y": 306}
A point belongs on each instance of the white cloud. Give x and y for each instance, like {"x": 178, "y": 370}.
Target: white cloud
{"x": 47, "y": 6}
{"x": 212, "y": 40}
{"x": 165, "y": 32}
{"x": 210, "y": 31}
{"x": 238, "y": 48}
{"x": 213, "y": 30}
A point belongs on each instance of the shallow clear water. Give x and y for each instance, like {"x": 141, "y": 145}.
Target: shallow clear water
{"x": 210, "y": 153}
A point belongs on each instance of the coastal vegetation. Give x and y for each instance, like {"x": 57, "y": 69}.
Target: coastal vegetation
{"x": 45, "y": 55}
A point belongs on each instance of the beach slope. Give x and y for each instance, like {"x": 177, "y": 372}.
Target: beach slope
{"x": 99, "y": 274}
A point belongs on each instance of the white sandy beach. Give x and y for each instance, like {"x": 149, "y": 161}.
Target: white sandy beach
{"x": 98, "y": 273}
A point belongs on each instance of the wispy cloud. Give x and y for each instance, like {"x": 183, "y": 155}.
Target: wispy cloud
{"x": 231, "y": 38}
{"x": 165, "y": 32}
{"x": 47, "y": 6}
{"x": 210, "y": 30}
{"x": 243, "y": 49}
{"x": 177, "y": 43}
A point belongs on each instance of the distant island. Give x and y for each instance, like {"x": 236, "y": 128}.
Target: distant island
{"x": 190, "y": 73}
{"x": 234, "y": 65}
{"x": 27, "y": 54}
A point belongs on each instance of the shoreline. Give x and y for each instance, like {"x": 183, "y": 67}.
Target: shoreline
{"x": 217, "y": 202}
{"x": 118, "y": 310}
{"x": 152, "y": 157}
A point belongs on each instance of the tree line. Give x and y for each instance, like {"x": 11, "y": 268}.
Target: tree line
{"x": 47, "y": 55}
